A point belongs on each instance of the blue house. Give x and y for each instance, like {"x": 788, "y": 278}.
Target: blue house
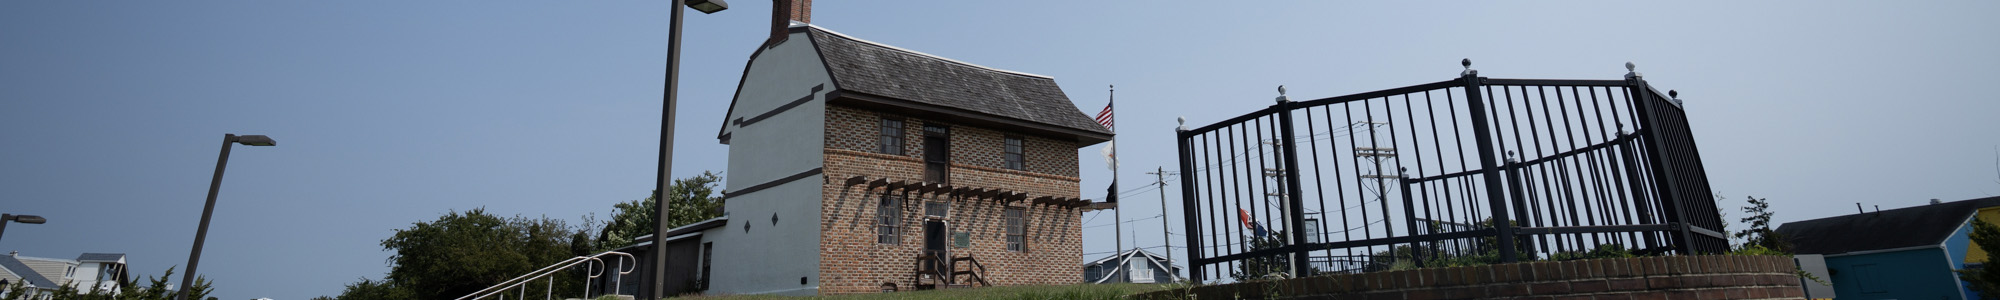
{"x": 1905, "y": 253}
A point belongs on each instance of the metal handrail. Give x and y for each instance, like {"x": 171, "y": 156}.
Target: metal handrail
{"x": 590, "y": 273}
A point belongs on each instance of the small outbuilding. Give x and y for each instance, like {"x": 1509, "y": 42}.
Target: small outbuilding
{"x": 1904, "y": 253}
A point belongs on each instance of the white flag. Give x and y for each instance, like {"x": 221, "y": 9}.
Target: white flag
{"x": 1111, "y": 155}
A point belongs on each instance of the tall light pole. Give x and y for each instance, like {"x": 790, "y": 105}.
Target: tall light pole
{"x": 659, "y": 273}
{"x": 200, "y": 235}
{"x": 24, "y": 219}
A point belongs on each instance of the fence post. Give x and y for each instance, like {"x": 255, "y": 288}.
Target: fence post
{"x": 1189, "y": 207}
{"x": 1409, "y": 219}
{"x": 1496, "y": 199}
{"x": 1295, "y": 214}
{"x": 1515, "y": 185}
{"x": 1664, "y": 177}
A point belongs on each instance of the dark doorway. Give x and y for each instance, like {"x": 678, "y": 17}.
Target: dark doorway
{"x": 937, "y": 153}
{"x": 935, "y": 234}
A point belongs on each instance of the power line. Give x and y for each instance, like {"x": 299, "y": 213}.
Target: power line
{"x": 1122, "y": 251}
{"x": 1133, "y": 220}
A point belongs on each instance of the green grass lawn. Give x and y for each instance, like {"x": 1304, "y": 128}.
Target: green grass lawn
{"x": 1036, "y": 292}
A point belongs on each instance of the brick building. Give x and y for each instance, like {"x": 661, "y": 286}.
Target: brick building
{"x": 859, "y": 167}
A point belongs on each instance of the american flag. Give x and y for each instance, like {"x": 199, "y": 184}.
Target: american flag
{"x": 1104, "y": 117}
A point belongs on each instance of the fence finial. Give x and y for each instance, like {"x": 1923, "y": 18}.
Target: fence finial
{"x": 1631, "y": 70}
{"x": 1281, "y": 94}
{"x": 1676, "y": 95}
{"x": 1183, "y": 121}
{"x": 1510, "y": 157}
{"x": 1468, "y": 67}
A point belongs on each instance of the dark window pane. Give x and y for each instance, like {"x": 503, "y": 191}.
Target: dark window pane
{"x": 937, "y": 153}
{"x": 892, "y": 137}
{"x": 889, "y": 218}
{"x": 1013, "y": 155}
{"x": 1017, "y": 229}
{"x": 936, "y": 209}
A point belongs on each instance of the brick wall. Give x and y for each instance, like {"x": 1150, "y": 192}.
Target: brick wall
{"x": 849, "y": 128}
{"x": 851, "y": 259}
{"x": 1671, "y": 277}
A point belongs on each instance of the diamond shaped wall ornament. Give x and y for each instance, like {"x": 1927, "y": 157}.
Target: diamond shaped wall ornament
{"x": 774, "y": 218}
{"x": 746, "y": 227}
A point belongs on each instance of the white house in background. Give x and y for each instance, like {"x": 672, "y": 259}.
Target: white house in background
{"x": 1132, "y": 266}
{"x": 91, "y": 271}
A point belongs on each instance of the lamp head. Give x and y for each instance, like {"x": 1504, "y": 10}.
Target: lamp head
{"x": 255, "y": 140}
{"x": 27, "y": 219}
{"x": 708, "y": 6}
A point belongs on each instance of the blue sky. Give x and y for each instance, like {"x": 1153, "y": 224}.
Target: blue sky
{"x": 392, "y": 112}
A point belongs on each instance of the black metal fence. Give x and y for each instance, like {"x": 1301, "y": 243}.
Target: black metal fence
{"x": 1446, "y": 173}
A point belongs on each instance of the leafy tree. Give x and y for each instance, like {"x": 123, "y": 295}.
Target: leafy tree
{"x": 158, "y": 289}
{"x": 374, "y": 290}
{"x": 1602, "y": 251}
{"x": 1261, "y": 267}
{"x": 461, "y": 253}
{"x": 693, "y": 200}
{"x": 1473, "y": 252}
{"x": 1987, "y": 236}
{"x": 13, "y": 291}
{"x": 1760, "y": 233}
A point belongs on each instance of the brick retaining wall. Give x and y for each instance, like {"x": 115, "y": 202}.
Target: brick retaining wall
{"x": 1670, "y": 277}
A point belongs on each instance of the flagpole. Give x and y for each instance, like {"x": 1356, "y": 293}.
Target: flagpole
{"x": 1117, "y": 213}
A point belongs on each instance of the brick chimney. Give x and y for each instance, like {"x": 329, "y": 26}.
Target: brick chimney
{"x": 783, "y": 12}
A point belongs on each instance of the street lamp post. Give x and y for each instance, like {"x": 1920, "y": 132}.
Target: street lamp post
{"x": 24, "y": 219}
{"x": 659, "y": 274}
{"x": 214, "y": 185}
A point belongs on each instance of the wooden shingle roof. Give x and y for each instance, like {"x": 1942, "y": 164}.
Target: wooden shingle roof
{"x": 865, "y": 69}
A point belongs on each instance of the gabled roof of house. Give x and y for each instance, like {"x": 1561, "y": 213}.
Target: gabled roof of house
{"x": 1924, "y": 225}
{"x": 912, "y": 80}
{"x": 1153, "y": 259}
{"x": 101, "y": 257}
{"x": 1127, "y": 253}
{"x": 14, "y": 266}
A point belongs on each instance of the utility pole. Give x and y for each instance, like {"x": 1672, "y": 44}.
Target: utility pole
{"x": 1165, "y": 232}
{"x": 1277, "y": 175}
{"x": 1375, "y": 153}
